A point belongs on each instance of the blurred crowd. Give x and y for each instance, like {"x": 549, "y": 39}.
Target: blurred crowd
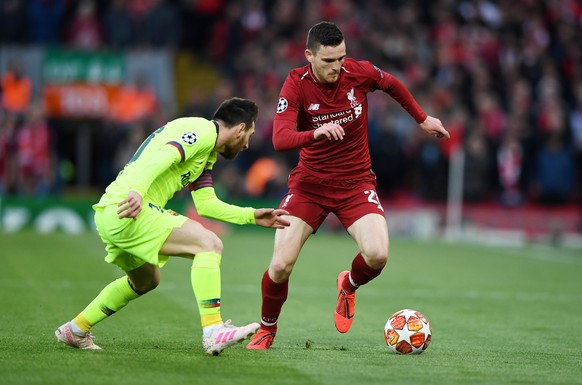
{"x": 505, "y": 77}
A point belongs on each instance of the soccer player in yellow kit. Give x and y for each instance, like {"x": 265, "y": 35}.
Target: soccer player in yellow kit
{"x": 140, "y": 234}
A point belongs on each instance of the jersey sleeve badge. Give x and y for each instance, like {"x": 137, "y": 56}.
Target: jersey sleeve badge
{"x": 189, "y": 138}
{"x": 282, "y": 105}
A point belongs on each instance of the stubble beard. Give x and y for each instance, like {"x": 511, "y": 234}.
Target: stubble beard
{"x": 229, "y": 154}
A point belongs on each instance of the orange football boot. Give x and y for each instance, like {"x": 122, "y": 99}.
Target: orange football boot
{"x": 345, "y": 309}
{"x": 262, "y": 340}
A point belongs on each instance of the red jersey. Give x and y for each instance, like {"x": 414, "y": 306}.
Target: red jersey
{"x": 306, "y": 104}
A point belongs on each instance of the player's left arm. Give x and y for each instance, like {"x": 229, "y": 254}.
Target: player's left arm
{"x": 434, "y": 127}
{"x": 210, "y": 206}
{"x": 398, "y": 91}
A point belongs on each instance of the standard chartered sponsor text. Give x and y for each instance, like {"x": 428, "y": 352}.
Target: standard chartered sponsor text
{"x": 341, "y": 121}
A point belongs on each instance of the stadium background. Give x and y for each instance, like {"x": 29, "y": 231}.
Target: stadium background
{"x": 99, "y": 76}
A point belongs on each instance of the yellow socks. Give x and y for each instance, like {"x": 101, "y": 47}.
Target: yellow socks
{"x": 205, "y": 278}
{"x": 111, "y": 299}
{"x": 206, "y": 284}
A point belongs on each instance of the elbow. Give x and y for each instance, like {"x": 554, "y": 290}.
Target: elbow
{"x": 202, "y": 212}
{"x": 202, "y": 209}
{"x": 205, "y": 212}
{"x": 277, "y": 146}
{"x": 280, "y": 145}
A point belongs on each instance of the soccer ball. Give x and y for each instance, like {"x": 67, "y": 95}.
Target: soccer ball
{"x": 407, "y": 332}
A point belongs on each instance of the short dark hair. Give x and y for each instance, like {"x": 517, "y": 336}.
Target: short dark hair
{"x": 235, "y": 110}
{"x": 324, "y": 33}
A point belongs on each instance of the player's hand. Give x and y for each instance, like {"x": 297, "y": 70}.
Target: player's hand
{"x": 331, "y": 131}
{"x": 130, "y": 207}
{"x": 434, "y": 127}
{"x": 271, "y": 218}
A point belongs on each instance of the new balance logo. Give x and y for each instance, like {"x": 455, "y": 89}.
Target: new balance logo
{"x": 313, "y": 107}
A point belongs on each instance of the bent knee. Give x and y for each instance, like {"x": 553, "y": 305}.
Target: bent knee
{"x": 145, "y": 285}
{"x": 204, "y": 242}
{"x": 280, "y": 271}
{"x": 191, "y": 239}
{"x": 376, "y": 258}
{"x": 211, "y": 242}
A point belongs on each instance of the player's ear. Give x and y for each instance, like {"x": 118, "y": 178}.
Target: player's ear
{"x": 309, "y": 55}
{"x": 240, "y": 129}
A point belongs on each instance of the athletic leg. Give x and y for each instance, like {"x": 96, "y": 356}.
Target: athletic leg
{"x": 274, "y": 285}
{"x": 194, "y": 241}
{"x": 371, "y": 235}
{"x": 120, "y": 292}
{"x": 110, "y": 300}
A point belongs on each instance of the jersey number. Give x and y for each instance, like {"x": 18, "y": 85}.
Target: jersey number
{"x": 145, "y": 143}
{"x": 373, "y": 198}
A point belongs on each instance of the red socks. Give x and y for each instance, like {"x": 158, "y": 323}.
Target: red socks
{"x": 361, "y": 274}
{"x": 274, "y": 296}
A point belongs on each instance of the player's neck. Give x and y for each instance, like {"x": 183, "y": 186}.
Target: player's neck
{"x": 221, "y": 135}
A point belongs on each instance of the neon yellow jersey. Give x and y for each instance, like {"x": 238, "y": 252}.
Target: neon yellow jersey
{"x": 171, "y": 158}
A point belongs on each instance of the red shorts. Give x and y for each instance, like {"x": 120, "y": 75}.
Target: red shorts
{"x": 312, "y": 199}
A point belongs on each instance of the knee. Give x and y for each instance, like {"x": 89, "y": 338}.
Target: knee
{"x": 209, "y": 242}
{"x": 280, "y": 270}
{"x": 145, "y": 285}
{"x": 215, "y": 244}
{"x": 148, "y": 286}
{"x": 376, "y": 257}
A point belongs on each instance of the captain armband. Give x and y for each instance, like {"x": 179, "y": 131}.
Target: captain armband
{"x": 210, "y": 206}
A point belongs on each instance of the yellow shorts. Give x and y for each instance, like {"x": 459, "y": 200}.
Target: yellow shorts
{"x": 128, "y": 243}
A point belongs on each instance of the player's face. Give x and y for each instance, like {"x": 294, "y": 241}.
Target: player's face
{"x": 239, "y": 143}
{"x": 327, "y": 62}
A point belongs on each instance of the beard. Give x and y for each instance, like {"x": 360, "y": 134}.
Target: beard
{"x": 229, "y": 153}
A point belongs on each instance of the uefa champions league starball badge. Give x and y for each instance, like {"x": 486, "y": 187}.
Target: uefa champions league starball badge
{"x": 189, "y": 138}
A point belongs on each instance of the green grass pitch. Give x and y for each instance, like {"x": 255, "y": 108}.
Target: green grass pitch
{"x": 499, "y": 316}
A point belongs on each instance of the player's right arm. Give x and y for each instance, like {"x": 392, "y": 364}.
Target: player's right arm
{"x": 329, "y": 131}
{"x": 165, "y": 157}
{"x": 130, "y": 206}
{"x": 286, "y": 135}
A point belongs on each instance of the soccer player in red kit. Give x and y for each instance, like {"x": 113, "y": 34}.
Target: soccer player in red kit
{"x": 323, "y": 111}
